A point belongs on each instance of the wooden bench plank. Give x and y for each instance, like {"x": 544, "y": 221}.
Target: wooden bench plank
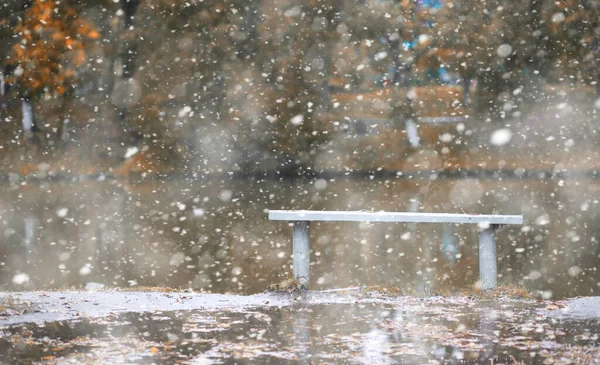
{"x": 398, "y": 217}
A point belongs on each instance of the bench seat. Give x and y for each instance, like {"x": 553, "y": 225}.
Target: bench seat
{"x": 487, "y": 225}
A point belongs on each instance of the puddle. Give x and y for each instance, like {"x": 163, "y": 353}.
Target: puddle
{"x": 373, "y": 333}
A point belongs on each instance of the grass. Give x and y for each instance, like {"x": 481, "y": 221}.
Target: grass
{"x": 382, "y": 291}
{"x": 10, "y": 306}
{"x": 502, "y": 291}
{"x": 152, "y": 289}
{"x": 62, "y": 288}
{"x": 288, "y": 285}
{"x": 156, "y": 289}
{"x": 474, "y": 291}
{"x": 297, "y": 285}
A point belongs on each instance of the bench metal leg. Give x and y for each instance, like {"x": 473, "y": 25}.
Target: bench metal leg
{"x": 301, "y": 248}
{"x": 488, "y": 264}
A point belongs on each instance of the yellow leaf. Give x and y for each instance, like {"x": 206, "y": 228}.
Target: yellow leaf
{"x": 93, "y": 34}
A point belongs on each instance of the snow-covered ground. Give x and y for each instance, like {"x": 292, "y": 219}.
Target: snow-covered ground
{"x": 64, "y": 305}
{"x": 583, "y": 308}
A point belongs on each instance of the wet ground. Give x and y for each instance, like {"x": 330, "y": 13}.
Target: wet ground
{"x": 323, "y": 328}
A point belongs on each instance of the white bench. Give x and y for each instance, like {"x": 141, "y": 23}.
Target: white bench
{"x": 488, "y": 224}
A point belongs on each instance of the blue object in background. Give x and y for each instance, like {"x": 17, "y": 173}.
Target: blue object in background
{"x": 444, "y": 76}
{"x": 433, "y": 4}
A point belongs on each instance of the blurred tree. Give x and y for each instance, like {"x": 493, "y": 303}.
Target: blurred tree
{"x": 125, "y": 91}
{"x": 478, "y": 40}
{"x": 187, "y": 48}
{"x": 575, "y": 39}
{"x": 48, "y": 50}
{"x": 185, "y": 80}
{"x": 297, "y": 44}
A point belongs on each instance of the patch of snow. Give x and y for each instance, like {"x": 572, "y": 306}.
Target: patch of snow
{"x": 293, "y": 11}
{"x": 381, "y": 56}
{"x": 586, "y": 307}
{"x": 500, "y": 137}
{"x": 504, "y": 50}
{"x": 226, "y": 195}
{"x": 85, "y": 270}
{"x": 445, "y": 137}
{"x": 558, "y": 18}
{"x": 574, "y": 271}
{"x": 92, "y": 286}
{"x": 177, "y": 259}
{"x": 297, "y": 120}
{"x": 131, "y": 151}
{"x": 185, "y": 111}
{"x": 542, "y": 220}
{"x": 20, "y": 279}
{"x": 412, "y": 94}
{"x": 320, "y": 184}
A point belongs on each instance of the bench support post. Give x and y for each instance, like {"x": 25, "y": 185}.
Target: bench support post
{"x": 488, "y": 264}
{"x": 301, "y": 249}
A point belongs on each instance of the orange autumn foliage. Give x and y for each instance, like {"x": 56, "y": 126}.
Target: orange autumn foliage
{"x": 50, "y": 48}
{"x": 139, "y": 163}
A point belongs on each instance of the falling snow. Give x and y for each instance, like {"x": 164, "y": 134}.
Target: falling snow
{"x": 500, "y": 137}
{"x": 144, "y": 143}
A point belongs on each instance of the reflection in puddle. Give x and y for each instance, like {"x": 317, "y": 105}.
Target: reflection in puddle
{"x": 443, "y": 332}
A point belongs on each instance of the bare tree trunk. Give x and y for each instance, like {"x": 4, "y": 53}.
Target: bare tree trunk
{"x": 30, "y": 238}
{"x": 128, "y": 54}
{"x": 325, "y": 92}
{"x": 466, "y": 82}
{"x": 27, "y": 116}
{"x": 28, "y": 121}
{"x": 2, "y": 85}
{"x": 62, "y": 135}
{"x": 394, "y": 44}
